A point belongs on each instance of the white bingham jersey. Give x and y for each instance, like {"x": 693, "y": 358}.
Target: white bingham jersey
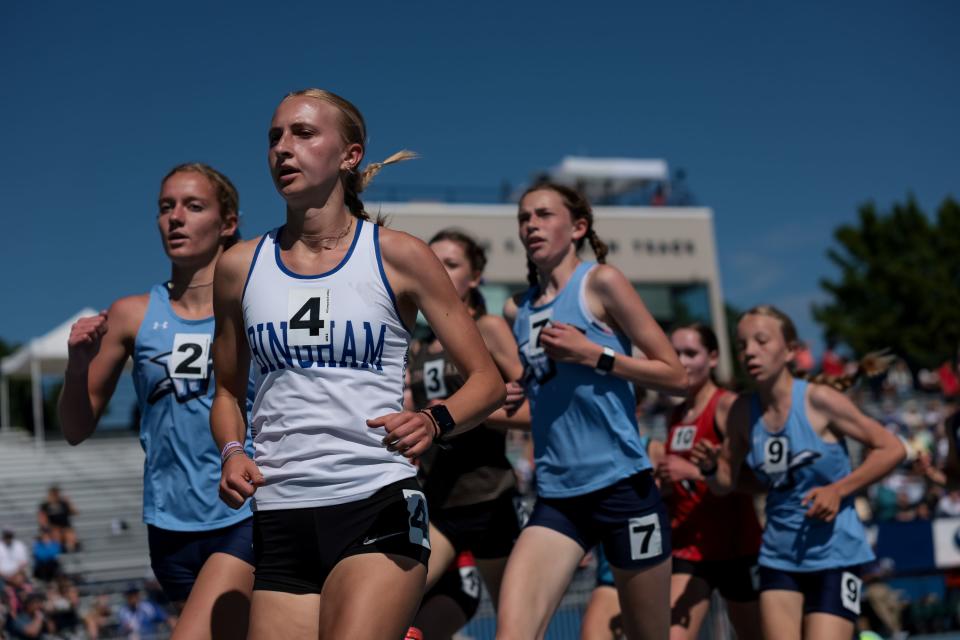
{"x": 328, "y": 352}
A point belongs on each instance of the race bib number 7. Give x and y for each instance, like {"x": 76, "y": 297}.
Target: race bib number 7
{"x": 190, "y": 358}
{"x": 538, "y": 321}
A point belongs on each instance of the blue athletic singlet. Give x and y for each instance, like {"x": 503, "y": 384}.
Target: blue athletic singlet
{"x": 584, "y": 424}
{"x": 173, "y": 377}
{"x": 791, "y": 462}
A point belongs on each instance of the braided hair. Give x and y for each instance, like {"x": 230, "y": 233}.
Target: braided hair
{"x": 580, "y": 209}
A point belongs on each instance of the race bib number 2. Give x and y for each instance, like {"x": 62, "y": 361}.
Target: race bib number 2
{"x": 190, "y": 358}
{"x": 308, "y": 313}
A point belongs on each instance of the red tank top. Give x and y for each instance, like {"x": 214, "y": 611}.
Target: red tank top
{"x": 705, "y": 526}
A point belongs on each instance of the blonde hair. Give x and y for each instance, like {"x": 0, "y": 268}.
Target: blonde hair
{"x": 870, "y": 365}
{"x": 353, "y": 130}
{"x": 227, "y": 196}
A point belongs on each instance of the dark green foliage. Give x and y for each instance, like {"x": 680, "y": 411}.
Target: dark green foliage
{"x": 899, "y": 283}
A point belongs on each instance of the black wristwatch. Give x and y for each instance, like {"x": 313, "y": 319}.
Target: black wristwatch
{"x": 442, "y": 417}
{"x": 605, "y": 363}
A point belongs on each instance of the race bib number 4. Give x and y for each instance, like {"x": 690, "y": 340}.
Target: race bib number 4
{"x": 682, "y": 438}
{"x": 419, "y": 522}
{"x": 308, "y": 313}
{"x": 190, "y": 358}
{"x": 776, "y": 455}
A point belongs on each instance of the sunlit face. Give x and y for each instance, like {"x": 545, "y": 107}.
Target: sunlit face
{"x": 547, "y": 229}
{"x": 694, "y": 357}
{"x": 454, "y": 259}
{"x": 307, "y": 152}
{"x": 189, "y": 217}
{"x": 763, "y": 350}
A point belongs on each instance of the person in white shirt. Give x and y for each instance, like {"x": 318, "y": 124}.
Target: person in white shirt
{"x": 14, "y": 556}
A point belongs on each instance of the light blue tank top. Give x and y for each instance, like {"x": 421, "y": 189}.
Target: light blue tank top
{"x": 173, "y": 377}
{"x": 584, "y": 424}
{"x": 791, "y": 462}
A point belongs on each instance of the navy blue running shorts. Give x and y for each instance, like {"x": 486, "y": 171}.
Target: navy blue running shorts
{"x": 628, "y": 518}
{"x": 177, "y": 556}
{"x": 487, "y": 529}
{"x": 833, "y": 591}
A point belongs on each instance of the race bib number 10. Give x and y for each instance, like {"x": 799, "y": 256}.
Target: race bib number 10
{"x": 683, "y": 438}
{"x": 308, "y": 313}
{"x": 190, "y": 358}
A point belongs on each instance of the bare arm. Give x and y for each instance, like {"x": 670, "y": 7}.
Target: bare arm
{"x": 98, "y": 348}
{"x": 499, "y": 339}
{"x": 884, "y": 449}
{"x": 660, "y": 370}
{"x": 422, "y": 283}
{"x": 720, "y": 466}
{"x": 231, "y": 363}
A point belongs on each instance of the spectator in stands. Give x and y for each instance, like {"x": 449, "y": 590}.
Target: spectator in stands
{"x": 832, "y": 364}
{"x": 14, "y": 556}
{"x": 46, "y": 554}
{"x": 55, "y": 513}
{"x": 899, "y": 380}
{"x": 98, "y": 620}
{"x": 63, "y": 602}
{"x": 139, "y": 617}
{"x": 949, "y": 505}
{"x": 32, "y": 621}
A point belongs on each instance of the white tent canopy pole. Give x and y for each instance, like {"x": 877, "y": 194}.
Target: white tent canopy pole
{"x": 43, "y": 355}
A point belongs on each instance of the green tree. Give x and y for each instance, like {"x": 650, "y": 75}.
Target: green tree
{"x": 899, "y": 283}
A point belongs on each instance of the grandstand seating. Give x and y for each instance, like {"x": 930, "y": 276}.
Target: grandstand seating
{"x": 103, "y": 478}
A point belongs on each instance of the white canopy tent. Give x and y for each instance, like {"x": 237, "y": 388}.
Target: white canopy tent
{"x": 44, "y": 355}
{"x": 602, "y": 177}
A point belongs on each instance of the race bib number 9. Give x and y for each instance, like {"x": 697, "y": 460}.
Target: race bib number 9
{"x": 850, "y": 592}
{"x": 308, "y": 313}
{"x": 682, "y": 438}
{"x": 776, "y": 455}
{"x": 190, "y": 358}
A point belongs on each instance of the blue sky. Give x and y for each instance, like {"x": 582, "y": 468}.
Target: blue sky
{"x": 786, "y": 116}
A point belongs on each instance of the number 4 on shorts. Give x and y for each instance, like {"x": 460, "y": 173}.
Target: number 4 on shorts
{"x": 645, "y": 537}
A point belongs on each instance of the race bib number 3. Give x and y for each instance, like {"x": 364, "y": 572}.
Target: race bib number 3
{"x": 308, "y": 313}
{"x": 682, "y": 438}
{"x": 776, "y": 455}
{"x": 419, "y": 522}
{"x": 433, "y": 382}
{"x": 190, "y": 358}
{"x": 850, "y": 592}
{"x": 538, "y": 321}
{"x": 645, "y": 537}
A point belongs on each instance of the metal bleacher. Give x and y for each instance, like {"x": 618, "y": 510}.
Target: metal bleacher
{"x": 103, "y": 477}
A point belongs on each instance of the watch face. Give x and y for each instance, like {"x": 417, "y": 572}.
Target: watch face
{"x": 605, "y": 363}
{"x": 443, "y": 418}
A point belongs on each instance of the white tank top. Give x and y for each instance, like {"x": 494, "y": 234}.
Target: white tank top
{"x": 328, "y": 352}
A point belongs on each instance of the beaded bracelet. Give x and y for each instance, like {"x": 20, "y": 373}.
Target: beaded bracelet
{"x": 228, "y": 449}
